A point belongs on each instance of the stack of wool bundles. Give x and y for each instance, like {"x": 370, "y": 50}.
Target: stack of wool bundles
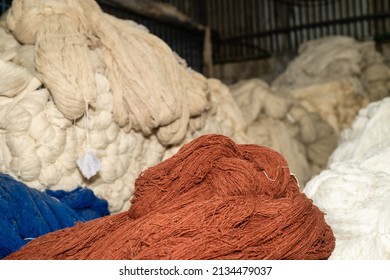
{"x": 187, "y": 208}
{"x": 302, "y": 113}
{"x": 77, "y": 84}
{"x": 27, "y": 213}
{"x": 335, "y": 77}
{"x": 279, "y": 121}
{"x": 354, "y": 191}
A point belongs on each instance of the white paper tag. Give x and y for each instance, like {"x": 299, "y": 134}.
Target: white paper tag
{"x": 89, "y": 164}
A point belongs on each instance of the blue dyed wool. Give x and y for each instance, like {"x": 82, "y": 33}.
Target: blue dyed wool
{"x": 83, "y": 201}
{"x": 27, "y": 213}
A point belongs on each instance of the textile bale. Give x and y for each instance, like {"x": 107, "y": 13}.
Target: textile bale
{"x": 354, "y": 191}
{"x": 335, "y": 76}
{"x": 27, "y": 213}
{"x": 138, "y": 104}
{"x": 40, "y": 145}
{"x": 65, "y": 33}
{"x": 375, "y": 78}
{"x": 214, "y": 199}
{"x": 223, "y": 117}
{"x": 327, "y": 59}
{"x": 279, "y": 121}
{"x": 336, "y": 101}
{"x": 8, "y": 44}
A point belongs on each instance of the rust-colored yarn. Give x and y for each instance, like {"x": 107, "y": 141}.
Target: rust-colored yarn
{"x": 214, "y": 199}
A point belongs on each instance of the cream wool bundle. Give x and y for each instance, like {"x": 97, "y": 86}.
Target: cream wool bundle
{"x": 40, "y": 146}
{"x": 223, "y": 116}
{"x": 335, "y": 77}
{"x": 65, "y": 33}
{"x": 280, "y": 122}
{"x": 354, "y": 191}
{"x": 42, "y": 138}
{"x": 327, "y": 59}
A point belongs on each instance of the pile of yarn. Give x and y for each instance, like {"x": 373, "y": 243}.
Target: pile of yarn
{"x": 279, "y": 121}
{"x": 336, "y": 76}
{"x": 354, "y": 191}
{"x": 130, "y": 102}
{"x": 214, "y": 199}
{"x": 320, "y": 93}
{"x": 27, "y": 213}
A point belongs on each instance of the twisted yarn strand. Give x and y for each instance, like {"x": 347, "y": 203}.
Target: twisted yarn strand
{"x": 211, "y": 200}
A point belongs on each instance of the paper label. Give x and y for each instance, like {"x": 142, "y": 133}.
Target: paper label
{"x": 89, "y": 164}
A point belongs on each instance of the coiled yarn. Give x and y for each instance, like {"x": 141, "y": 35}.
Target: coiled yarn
{"x": 354, "y": 191}
{"x": 214, "y": 199}
{"x": 27, "y": 213}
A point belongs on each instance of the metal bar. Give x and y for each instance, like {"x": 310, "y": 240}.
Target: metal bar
{"x": 308, "y": 20}
{"x": 244, "y": 22}
{"x": 270, "y": 19}
{"x": 249, "y": 19}
{"x": 356, "y": 13}
{"x": 374, "y": 7}
{"x": 256, "y": 22}
{"x": 387, "y": 21}
{"x": 302, "y": 21}
{"x": 218, "y": 26}
{"x": 383, "y": 20}
{"x": 294, "y": 19}
{"x": 336, "y": 11}
{"x": 222, "y": 26}
{"x": 357, "y": 24}
{"x": 230, "y": 23}
{"x": 347, "y": 14}
{"x": 367, "y": 26}
{"x": 310, "y": 25}
{"x": 319, "y": 18}
{"x": 276, "y": 11}
{"x": 343, "y": 14}
{"x": 351, "y": 10}
{"x": 236, "y": 28}
{"x": 361, "y": 23}
{"x": 324, "y": 18}
{"x": 379, "y": 8}
{"x": 327, "y": 16}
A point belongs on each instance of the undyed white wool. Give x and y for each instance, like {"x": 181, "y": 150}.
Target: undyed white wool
{"x": 225, "y": 112}
{"x": 143, "y": 103}
{"x": 65, "y": 33}
{"x": 128, "y": 79}
{"x": 354, "y": 191}
{"x": 223, "y": 117}
{"x": 41, "y": 146}
{"x": 327, "y": 59}
{"x": 336, "y": 76}
{"x": 336, "y": 101}
{"x": 280, "y": 122}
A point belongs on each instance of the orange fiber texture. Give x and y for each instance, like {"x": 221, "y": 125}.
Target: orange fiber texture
{"x": 214, "y": 199}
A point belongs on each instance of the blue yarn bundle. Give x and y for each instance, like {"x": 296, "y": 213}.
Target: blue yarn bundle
{"x": 27, "y": 213}
{"x": 83, "y": 201}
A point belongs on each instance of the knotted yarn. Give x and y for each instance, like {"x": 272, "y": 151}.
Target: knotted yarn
{"x": 27, "y": 213}
{"x": 213, "y": 199}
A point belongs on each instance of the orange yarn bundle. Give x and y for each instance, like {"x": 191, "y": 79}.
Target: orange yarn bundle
{"x": 214, "y": 199}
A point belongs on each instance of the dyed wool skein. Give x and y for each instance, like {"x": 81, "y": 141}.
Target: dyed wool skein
{"x": 213, "y": 199}
{"x": 27, "y": 213}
